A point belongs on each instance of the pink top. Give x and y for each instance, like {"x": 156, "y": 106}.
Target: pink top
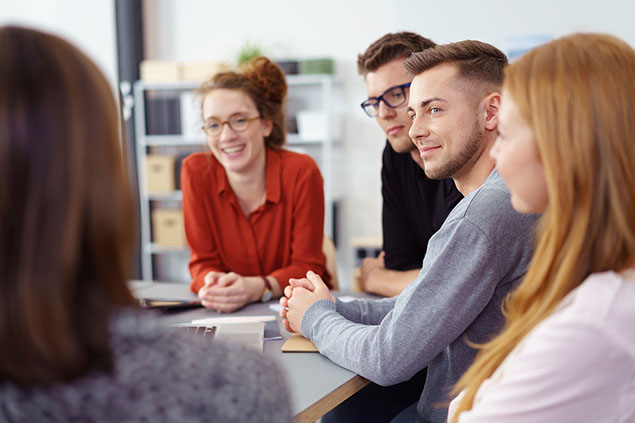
{"x": 578, "y": 365}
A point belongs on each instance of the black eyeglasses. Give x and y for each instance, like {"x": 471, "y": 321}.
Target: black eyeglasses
{"x": 392, "y": 97}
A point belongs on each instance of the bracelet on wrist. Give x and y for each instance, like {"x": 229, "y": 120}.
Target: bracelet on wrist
{"x": 267, "y": 283}
{"x": 267, "y": 292}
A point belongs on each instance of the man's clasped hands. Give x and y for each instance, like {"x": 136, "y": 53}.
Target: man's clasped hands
{"x": 299, "y": 296}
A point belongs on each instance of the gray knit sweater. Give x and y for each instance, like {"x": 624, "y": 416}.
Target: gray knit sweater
{"x": 161, "y": 376}
{"x": 480, "y": 253}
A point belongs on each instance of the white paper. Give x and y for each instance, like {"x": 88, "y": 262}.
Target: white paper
{"x": 346, "y": 298}
{"x": 233, "y": 319}
{"x": 275, "y": 307}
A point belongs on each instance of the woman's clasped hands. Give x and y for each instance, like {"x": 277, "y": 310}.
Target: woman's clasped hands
{"x": 227, "y": 292}
{"x": 299, "y": 296}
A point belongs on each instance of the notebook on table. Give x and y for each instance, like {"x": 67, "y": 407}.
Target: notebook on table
{"x": 248, "y": 334}
{"x": 250, "y": 331}
{"x": 163, "y": 295}
{"x": 298, "y": 343}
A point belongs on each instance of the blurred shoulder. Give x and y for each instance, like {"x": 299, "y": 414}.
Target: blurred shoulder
{"x": 163, "y": 373}
{"x": 491, "y": 203}
{"x": 295, "y": 162}
{"x": 605, "y": 300}
{"x": 198, "y": 161}
{"x": 173, "y": 364}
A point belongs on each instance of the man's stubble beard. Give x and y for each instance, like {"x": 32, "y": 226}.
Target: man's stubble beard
{"x": 454, "y": 165}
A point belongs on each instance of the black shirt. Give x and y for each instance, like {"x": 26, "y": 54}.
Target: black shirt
{"x": 414, "y": 208}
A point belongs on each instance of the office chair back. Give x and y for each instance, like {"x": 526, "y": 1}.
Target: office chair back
{"x": 328, "y": 248}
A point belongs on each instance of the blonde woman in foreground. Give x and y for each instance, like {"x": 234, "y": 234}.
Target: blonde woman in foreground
{"x": 567, "y": 149}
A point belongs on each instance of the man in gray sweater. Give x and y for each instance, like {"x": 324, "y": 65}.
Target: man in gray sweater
{"x": 477, "y": 257}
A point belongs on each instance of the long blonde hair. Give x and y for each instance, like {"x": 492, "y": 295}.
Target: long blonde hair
{"x": 578, "y": 95}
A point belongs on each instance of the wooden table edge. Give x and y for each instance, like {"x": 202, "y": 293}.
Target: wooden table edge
{"x": 330, "y": 401}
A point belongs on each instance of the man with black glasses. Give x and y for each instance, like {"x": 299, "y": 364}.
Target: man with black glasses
{"x": 414, "y": 206}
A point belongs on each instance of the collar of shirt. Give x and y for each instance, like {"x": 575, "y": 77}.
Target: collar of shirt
{"x": 274, "y": 177}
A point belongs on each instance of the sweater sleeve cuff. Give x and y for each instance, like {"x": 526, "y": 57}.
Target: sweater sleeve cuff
{"x": 316, "y": 310}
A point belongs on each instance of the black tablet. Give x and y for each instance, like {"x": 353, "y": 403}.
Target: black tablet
{"x": 168, "y": 304}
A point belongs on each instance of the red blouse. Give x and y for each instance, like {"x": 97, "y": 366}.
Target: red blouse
{"x": 282, "y": 238}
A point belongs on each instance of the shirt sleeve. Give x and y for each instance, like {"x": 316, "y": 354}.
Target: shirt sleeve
{"x": 308, "y": 228}
{"x": 204, "y": 255}
{"x": 401, "y": 246}
{"x": 425, "y": 318}
{"x": 567, "y": 371}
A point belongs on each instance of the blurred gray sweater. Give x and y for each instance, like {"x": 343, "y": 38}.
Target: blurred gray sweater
{"x": 479, "y": 254}
{"x": 159, "y": 375}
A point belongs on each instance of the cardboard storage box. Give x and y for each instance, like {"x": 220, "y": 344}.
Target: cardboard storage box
{"x": 169, "y": 71}
{"x": 160, "y": 176}
{"x": 167, "y": 228}
{"x": 201, "y": 71}
{"x": 160, "y": 71}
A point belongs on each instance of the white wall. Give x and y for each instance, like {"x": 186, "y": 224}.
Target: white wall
{"x": 211, "y": 30}
{"x": 89, "y": 24}
{"x": 494, "y": 21}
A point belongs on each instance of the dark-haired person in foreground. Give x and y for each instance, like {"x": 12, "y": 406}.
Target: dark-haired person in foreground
{"x": 73, "y": 344}
{"x": 413, "y": 206}
{"x": 480, "y": 253}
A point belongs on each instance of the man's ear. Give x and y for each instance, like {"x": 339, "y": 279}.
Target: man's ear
{"x": 492, "y": 104}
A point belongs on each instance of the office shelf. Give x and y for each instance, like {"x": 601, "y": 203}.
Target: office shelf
{"x": 159, "y": 249}
{"x": 172, "y": 196}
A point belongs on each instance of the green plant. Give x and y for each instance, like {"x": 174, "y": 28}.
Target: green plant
{"x": 248, "y": 51}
